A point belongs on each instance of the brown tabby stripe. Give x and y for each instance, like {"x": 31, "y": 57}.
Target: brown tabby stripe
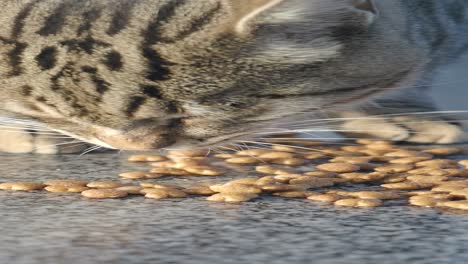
{"x": 19, "y": 20}
{"x": 151, "y": 91}
{"x": 89, "y": 17}
{"x": 196, "y": 24}
{"x": 158, "y": 69}
{"x": 134, "y": 104}
{"x": 101, "y": 85}
{"x": 87, "y": 44}
{"x": 56, "y": 20}
{"x": 121, "y": 17}
{"x": 55, "y": 86}
{"x": 14, "y": 56}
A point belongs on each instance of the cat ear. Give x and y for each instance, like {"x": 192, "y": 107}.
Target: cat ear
{"x": 367, "y": 8}
{"x": 246, "y": 10}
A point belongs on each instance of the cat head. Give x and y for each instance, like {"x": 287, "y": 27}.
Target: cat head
{"x": 199, "y": 73}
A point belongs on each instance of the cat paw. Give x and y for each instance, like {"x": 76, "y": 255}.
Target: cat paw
{"x": 405, "y": 128}
{"x": 22, "y": 141}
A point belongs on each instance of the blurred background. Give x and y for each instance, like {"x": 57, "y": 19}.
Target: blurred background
{"x": 451, "y": 89}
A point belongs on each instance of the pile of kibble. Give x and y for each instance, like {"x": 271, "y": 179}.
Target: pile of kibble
{"x": 365, "y": 173}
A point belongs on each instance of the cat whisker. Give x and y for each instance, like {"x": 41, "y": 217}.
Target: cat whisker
{"x": 339, "y": 119}
{"x": 282, "y": 145}
{"x": 27, "y": 129}
{"x": 89, "y": 150}
{"x": 65, "y": 143}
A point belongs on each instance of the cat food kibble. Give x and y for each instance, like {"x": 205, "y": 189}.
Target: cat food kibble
{"x": 204, "y": 171}
{"x": 232, "y": 198}
{"x": 66, "y": 189}
{"x": 462, "y": 205}
{"x": 65, "y": 183}
{"x": 104, "y": 184}
{"x": 146, "y": 158}
{"x": 329, "y": 198}
{"x": 362, "y": 176}
{"x": 395, "y": 168}
{"x": 163, "y": 193}
{"x": 199, "y": 190}
{"x": 338, "y": 167}
{"x": 442, "y": 151}
{"x": 130, "y": 189}
{"x": 243, "y": 160}
{"x": 359, "y": 202}
{"x": 408, "y": 185}
{"x": 235, "y": 188}
{"x": 21, "y": 186}
{"x": 104, "y": 193}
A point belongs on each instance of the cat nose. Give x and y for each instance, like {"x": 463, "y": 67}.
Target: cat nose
{"x": 141, "y": 135}
{"x": 148, "y": 142}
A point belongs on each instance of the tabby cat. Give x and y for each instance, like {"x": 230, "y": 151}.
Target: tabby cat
{"x": 152, "y": 74}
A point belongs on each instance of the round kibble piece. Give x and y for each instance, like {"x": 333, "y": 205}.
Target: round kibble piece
{"x": 144, "y": 158}
{"x": 312, "y": 156}
{"x": 65, "y": 183}
{"x": 442, "y": 151}
{"x": 253, "y": 152}
{"x": 21, "y": 186}
{"x": 409, "y": 160}
{"x": 104, "y": 194}
{"x": 248, "y": 181}
{"x": 464, "y": 163}
{"x": 154, "y": 185}
{"x": 231, "y": 198}
{"x": 268, "y": 169}
{"x": 368, "y": 203}
{"x": 313, "y": 182}
{"x": 328, "y": 198}
{"x": 382, "y": 195}
{"x": 462, "y": 205}
{"x": 351, "y": 202}
{"x": 289, "y": 162}
{"x": 203, "y": 171}
{"x": 437, "y": 163}
{"x": 428, "y": 179}
{"x": 408, "y": 185}
{"x": 163, "y": 193}
{"x": 276, "y": 155}
{"x": 235, "y": 188}
{"x": 338, "y": 167}
{"x": 199, "y": 190}
{"x": 267, "y": 180}
{"x": 104, "y": 184}
{"x": 352, "y": 160}
{"x": 66, "y": 189}
{"x": 395, "y": 168}
{"x": 130, "y": 189}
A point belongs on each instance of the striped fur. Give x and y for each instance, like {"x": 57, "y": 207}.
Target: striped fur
{"x": 146, "y": 74}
